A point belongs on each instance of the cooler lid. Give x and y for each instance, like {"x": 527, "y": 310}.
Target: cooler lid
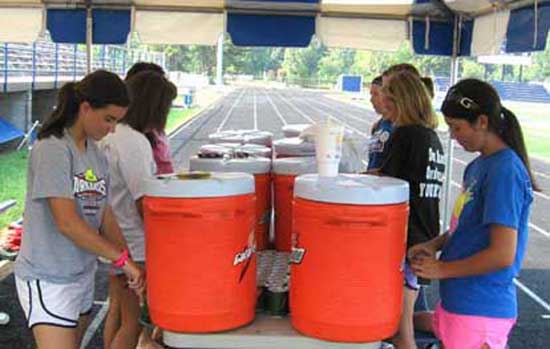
{"x": 253, "y": 165}
{"x": 242, "y": 136}
{"x": 294, "y": 130}
{"x": 352, "y": 189}
{"x": 293, "y": 146}
{"x": 250, "y": 148}
{"x": 295, "y": 166}
{"x": 217, "y": 185}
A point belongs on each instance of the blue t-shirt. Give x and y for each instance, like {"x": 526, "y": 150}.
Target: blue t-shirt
{"x": 496, "y": 190}
{"x": 380, "y": 137}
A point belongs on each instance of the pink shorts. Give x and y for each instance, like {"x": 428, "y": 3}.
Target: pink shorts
{"x": 471, "y": 332}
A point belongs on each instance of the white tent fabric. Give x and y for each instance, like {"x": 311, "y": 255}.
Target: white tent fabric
{"x": 361, "y": 33}
{"x": 180, "y": 28}
{"x": 20, "y": 24}
{"x": 490, "y": 33}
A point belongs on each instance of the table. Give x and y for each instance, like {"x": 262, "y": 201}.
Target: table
{"x": 266, "y": 332}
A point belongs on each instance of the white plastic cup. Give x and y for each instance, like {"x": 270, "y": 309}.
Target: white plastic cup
{"x": 328, "y": 148}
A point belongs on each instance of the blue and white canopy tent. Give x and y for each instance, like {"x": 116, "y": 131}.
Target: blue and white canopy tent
{"x": 453, "y": 28}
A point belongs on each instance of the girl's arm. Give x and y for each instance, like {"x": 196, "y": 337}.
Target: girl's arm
{"x": 500, "y": 254}
{"x": 428, "y": 248}
{"x": 81, "y": 233}
{"x": 111, "y": 230}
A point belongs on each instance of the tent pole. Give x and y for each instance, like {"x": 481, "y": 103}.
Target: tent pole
{"x": 89, "y": 39}
{"x": 219, "y": 61}
{"x": 449, "y": 163}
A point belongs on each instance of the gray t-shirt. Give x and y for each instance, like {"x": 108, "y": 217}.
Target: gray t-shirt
{"x": 57, "y": 169}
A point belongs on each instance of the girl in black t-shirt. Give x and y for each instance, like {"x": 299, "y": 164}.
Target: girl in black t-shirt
{"x": 414, "y": 154}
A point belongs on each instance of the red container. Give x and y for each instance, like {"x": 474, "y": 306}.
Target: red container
{"x": 261, "y": 169}
{"x": 350, "y": 232}
{"x": 285, "y": 171}
{"x": 200, "y": 260}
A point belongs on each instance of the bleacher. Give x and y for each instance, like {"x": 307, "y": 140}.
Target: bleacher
{"x": 44, "y": 58}
{"x": 511, "y": 91}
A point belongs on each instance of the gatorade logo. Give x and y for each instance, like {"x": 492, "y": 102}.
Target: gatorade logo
{"x": 243, "y": 256}
{"x": 297, "y": 253}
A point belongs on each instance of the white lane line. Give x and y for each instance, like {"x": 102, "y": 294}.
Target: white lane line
{"x": 224, "y": 121}
{"x": 201, "y": 114}
{"x": 96, "y": 322}
{"x": 276, "y": 109}
{"x": 539, "y": 229}
{"x": 531, "y": 225}
{"x": 540, "y": 174}
{"x": 346, "y": 114}
{"x": 297, "y": 110}
{"x": 361, "y": 133}
{"x": 255, "y": 112}
{"x": 532, "y": 295}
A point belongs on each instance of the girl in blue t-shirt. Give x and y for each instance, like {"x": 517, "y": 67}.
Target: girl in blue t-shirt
{"x": 381, "y": 130}
{"x": 483, "y": 254}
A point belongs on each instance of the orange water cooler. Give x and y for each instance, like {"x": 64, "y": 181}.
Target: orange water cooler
{"x": 349, "y": 242}
{"x": 285, "y": 170}
{"x": 200, "y": 260}
{"x": 261, "y": 169}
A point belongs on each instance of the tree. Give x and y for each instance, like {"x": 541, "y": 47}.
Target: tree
{"x": 302, "y": 63}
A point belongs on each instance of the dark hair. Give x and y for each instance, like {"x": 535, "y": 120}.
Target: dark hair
{"x": 100, "y": 89}
{"x": 377, "y": 81}
{"x": 429, "y": 83}
{"x": 144, "y": 66}
{"x": 152, "y": 96}
{"x": 470, "y": 98}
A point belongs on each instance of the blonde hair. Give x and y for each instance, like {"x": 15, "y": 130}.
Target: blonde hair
{"x": 411, "y": 98}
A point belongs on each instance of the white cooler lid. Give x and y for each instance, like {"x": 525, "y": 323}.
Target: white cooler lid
{"x": 242, "y": 136}
{"x": 295, "y": 166}
{"x": 294, "y": 146}
{"x": 250, "y": 148}
{"x": 352, "y": 189}
{"x": 218, "y": 185}
{"x": 294, "y": 130}
{"x": 255, "y": 165}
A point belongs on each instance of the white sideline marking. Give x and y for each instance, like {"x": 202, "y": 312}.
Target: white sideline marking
{"x": 276, "y": 109}
{"x": 190, "y": 122}
{"x": 532, "y": 295}
{"x": 531, "y": 225}
{"x": 96, "y": 322}
{"x": 230, "y": 111}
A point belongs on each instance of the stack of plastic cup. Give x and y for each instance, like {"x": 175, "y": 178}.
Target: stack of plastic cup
{"x": 328, "y": 148}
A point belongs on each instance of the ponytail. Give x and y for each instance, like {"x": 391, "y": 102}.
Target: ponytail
{"x": 429, "y": 84}
{"x": 64, "y": 114}
{"x": 510, "y": 132}
{"x": 100, "y": 89}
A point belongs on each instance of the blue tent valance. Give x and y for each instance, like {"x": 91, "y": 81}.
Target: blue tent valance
{"x": 69, "y": 26}
{"x": 441, "y": 38}
{"x": 520, "y": 35}
{"x": 270, "y": 30}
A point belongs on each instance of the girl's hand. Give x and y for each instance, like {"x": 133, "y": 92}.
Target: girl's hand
{"x": 135, "y": 276}
{"x": 428, "y": 268}
{"x": 422, "y": 250}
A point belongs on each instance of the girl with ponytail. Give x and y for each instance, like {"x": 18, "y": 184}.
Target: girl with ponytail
{"x": 68, "y": 219}
{"x": 483, "y": 253}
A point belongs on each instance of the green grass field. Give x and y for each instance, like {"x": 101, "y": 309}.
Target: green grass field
{"x": 13, "y": 170}
{"x": 178, "y": 117}
{"x": 13, "y": 178}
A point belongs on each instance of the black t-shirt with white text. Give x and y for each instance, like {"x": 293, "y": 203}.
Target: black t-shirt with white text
{"x": 415, "y": 154}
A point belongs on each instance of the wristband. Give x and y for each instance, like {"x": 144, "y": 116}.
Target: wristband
{"x": 121, "y": 261}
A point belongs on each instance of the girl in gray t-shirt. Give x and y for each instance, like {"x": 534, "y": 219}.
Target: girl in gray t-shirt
{"x": 68, "y": 221}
